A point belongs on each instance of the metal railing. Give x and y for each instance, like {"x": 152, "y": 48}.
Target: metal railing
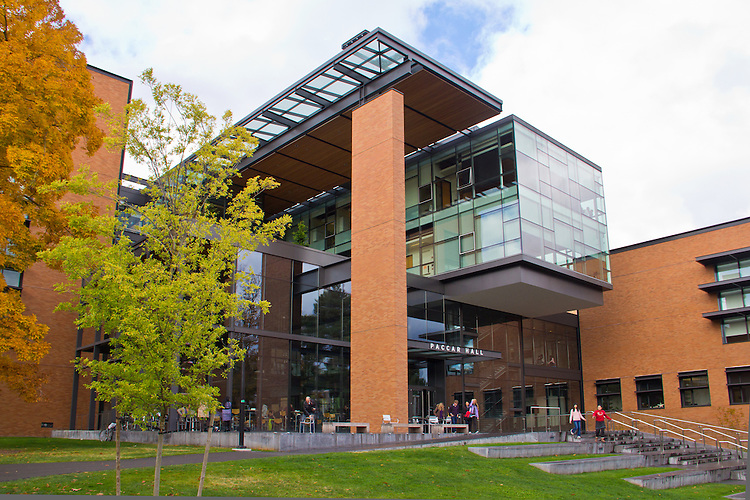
{"x": 669, "y": 427}
{"x": 548, "y": 416}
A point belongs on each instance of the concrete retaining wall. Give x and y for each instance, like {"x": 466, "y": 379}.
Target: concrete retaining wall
{"x": 541, "y": 450}
{"x": 597, "y": 464}
{"x": 679, "y": 478}
{"x": 292, "y": 441}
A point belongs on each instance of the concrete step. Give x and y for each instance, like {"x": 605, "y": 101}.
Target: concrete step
{"x": 705, "y": 473}
{"x": 700, "y": 458}
{"x": 541, "y": 450}
{"x": 738, "y": 475}
{"x": 597, "y": 464}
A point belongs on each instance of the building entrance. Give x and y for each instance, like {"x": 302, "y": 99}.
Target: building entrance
{"x": 421, "y": 402}
{"x": 426, "y": 386}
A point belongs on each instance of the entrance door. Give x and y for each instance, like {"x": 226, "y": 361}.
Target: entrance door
{"x": 421, "y": 402}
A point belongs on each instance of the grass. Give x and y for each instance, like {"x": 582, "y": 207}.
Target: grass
{"x": 18, "y": 450}
{"x": 440, "y": 473}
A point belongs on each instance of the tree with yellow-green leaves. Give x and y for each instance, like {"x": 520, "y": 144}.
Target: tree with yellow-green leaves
{"x": 46, "y": 109}
{"x": 163, "y": 298}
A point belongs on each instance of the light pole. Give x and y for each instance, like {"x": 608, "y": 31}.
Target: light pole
{"x": 241, "y": 444}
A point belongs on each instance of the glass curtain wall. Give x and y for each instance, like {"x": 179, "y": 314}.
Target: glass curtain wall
{"x": 563, "y": 218}
{"x": 279, "y": 372}
{"x": 497, "y": 192}
{"x": 509, "y": 400}
{"x": 502, "y": 192}
{"x": 462, "y": 204}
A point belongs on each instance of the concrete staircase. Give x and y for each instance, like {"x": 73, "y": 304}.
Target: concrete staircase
{"x": 698, "y": 464}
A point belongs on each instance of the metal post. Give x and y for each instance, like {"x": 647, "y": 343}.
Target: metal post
{"x": 241, "y": 444}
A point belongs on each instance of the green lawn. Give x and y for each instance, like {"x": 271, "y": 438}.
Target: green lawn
{"x": 450, "y": 472}
{"x": 18, "y": 450}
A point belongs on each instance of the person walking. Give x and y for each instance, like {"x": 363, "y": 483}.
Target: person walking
{"x": 575, "y": 418}
{"x": 474, "y": 416}
{"x": 600, "y": 424}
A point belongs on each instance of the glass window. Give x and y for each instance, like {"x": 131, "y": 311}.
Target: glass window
{"x": 518, "y": 394}
{"x": 608, "y": 394}
{"x": 12, "y": 278}
{"x": 649, "y": 392}
{"x": 734, "y": 330}
{"x": 744, "y": 268}
{"x": 730, "y": 299}
{"x": 728, "y": 271}
{"x": 738, "y": 383}
{"x": 425, "y": 193}
{"x": 489, "y": 229}
{"x": 487, "y": 170}
{"x": 694, "y": 389}
{"x": 308, "y": 320}
{"x": 493, "y": 403}
{"x": 446, "y": 256}
{"x": 464, "y": 178}
{"x": 446, "y": 228}
{"x": 467, "y": 243}
{"x": 334, "y": 312}
{"x": 412, "y": 192}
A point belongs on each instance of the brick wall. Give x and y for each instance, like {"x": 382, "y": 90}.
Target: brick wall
{"x": 24, "y": 419}
{"x": 652, "y": 323}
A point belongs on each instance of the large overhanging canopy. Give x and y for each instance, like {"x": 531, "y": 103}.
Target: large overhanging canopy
{"x": 305, "y": 132}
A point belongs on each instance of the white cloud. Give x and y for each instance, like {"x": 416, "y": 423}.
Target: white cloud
{"x": 653, "y": 92}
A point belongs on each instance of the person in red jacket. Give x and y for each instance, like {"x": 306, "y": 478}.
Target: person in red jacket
{"x": 599, "y": 416}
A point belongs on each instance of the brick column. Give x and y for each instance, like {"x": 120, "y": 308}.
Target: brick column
{"x": 379, "y": 381}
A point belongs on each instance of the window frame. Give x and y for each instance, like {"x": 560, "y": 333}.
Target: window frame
{"x": 599, "y": 395}
{"x": 689, "y": 389}
{"x": 730, "y": 385}
{"x": 20, "y": 278}
{"x": 649, "y": 392}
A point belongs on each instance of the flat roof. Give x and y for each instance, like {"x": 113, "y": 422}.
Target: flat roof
{"x": 305, "y": 131}
{"x": 686, "y": 234}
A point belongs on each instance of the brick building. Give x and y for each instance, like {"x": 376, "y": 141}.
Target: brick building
{"x": 431, "y": 244}
{"x": 441, "y": 258}
{"x": 672, "y": 336}
{"x": 37, "y": 291}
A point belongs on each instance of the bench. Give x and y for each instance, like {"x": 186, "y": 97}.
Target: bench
{"x": 438, "y": 428}
{"x": 357, "y": 427}
{"x": 410, "y": 428}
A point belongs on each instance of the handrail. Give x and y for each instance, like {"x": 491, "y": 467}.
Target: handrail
{"x": 624, "y": 424}
{"x": 737, "y": 443}
{"x": 721, "y": 433}
{"x": 678, "y": 427}
{"x": 734, "y": 444}
{"x": 701, "y": 424}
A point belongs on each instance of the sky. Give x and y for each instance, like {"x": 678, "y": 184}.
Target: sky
{"x": 655, "y": 92}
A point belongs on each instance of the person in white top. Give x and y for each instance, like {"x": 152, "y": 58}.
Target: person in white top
{"x": 575, "y": 418}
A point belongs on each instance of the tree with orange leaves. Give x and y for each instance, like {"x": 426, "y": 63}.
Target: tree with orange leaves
{"x": 46, "y": 106}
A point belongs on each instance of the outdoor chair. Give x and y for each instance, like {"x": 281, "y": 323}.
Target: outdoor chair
{"x": 308, "y": 424}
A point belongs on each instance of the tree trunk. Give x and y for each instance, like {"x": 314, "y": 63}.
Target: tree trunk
{"x": 118, "y": 491}
{"x": 159, "y": 448}
{"x": 205, "y": 453}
